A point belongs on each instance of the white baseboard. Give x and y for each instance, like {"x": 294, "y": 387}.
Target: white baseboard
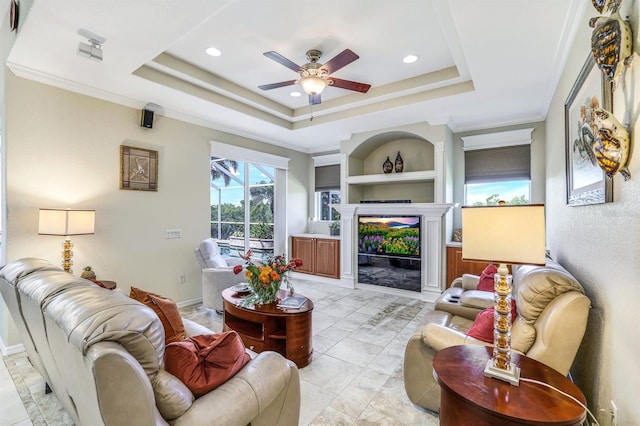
{"x": 310, "y": 277}
{"x": 10, "y": 350}
{"x": 189, "y": 302}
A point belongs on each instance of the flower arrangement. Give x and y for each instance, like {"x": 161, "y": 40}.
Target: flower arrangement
{"x": 265, "y": 278}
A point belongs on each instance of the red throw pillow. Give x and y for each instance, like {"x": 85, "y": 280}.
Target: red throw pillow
{"x": 486, "y": 278}
{"x": 205, "y": 362}
{"x": 482, "y": 328}
{"x": 167, "y": 311}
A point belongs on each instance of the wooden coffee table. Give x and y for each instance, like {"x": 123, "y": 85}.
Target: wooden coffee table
{"x": 467, "y": 397}
{"x": 269, "y": 328}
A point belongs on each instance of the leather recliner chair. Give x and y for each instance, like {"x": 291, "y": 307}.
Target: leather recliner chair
{"x": 549, "y": 327}
{"x": 217, "y": 273}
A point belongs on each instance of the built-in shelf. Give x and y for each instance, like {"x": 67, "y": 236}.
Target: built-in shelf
{"x": 382, "y": 178}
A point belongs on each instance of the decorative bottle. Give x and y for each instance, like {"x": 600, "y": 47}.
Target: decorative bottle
{"x": 387, "y": 166}
{"x": 399, "y": 163}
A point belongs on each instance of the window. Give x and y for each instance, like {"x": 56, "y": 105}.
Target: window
{"x": 232, "y": 184}
{"x": 498, "y": 174}
{"x": 325, "y": 200}
{"x": 327, "y": 191}
{"x": 487, "y": 194}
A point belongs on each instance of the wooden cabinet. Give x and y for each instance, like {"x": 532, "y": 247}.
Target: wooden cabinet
{"x": 305, "y": 249}
{"x": 320, "y": 256}
{"x": 456, "y": 266}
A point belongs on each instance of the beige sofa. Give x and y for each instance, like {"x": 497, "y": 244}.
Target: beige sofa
{"x": 101, "y": 352}
{"x": 551, "y": 321}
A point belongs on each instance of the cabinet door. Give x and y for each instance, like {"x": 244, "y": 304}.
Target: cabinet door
{"x": 328, "y": 258}
{"x": 304, "y": 249}
{"x": 456, "y": 266}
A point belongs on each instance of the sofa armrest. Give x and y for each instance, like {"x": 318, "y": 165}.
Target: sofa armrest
{"x": 470, "y": 281}
{"x": 233, "y": 261}
{"x": 192, "y": 328}
{"x": 214, "y": 281}
{"x": 265, "y": 392}
{"x": 439, "y": 337}
{"x": 119, "y": 375}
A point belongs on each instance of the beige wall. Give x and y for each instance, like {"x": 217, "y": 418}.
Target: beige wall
{"x": 63, "y": 151}
{"x": 8, "y": 332}
{"x": 600, "y": 244}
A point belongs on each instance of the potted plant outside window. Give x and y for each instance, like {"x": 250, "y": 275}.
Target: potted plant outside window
{"x": 334, "y": 228}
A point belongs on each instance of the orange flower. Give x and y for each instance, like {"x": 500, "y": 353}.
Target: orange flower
{"x": 275, "y": 276}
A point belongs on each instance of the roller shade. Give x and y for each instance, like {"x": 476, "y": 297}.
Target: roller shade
{"x": 497, "y": 164}
{"x": 328, "y": 178}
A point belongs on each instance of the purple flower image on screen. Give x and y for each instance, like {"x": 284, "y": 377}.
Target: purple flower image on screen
{"x": 386, "y": 235}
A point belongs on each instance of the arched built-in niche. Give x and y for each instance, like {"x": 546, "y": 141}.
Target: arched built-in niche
{"x": 366, "y": 181}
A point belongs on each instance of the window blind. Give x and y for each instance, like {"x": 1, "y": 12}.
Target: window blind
{"x": 497, "y": 164}
{"x": 328, "y": 178}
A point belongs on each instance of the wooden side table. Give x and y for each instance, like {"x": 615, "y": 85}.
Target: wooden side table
{"x": 269, "y": 328}
{"x": 467, "y": 397}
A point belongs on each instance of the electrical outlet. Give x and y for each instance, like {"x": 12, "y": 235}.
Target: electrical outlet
{"x": 614, "y": 414}
{"x": 182, "y": 279}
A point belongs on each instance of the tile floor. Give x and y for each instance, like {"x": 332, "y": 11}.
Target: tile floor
{"x": 355, "y": 377}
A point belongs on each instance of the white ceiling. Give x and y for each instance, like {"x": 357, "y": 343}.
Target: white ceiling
{"x": 482, "y": 63}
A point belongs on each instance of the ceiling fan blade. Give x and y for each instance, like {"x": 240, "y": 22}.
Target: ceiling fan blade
{"x": 314, "y": 99}
{"x": 282, "y": 60}
{"x": 350, "y": 85}
{"x": 340, "y": 60}
{"x": 276, "y": 85}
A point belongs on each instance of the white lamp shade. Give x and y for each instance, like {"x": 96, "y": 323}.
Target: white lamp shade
{"x": 313, "y": 85}
{"x": 512, "y": 234}
{"x": 66, "y": 222}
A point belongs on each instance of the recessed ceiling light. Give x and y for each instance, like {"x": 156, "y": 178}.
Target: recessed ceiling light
{"x": 409, "y": 59}
{"x": 296, "y": 94}
{"x": 212, "y": 51}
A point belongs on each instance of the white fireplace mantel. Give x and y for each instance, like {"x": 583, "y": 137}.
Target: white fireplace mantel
{"x": 432, "y": 240}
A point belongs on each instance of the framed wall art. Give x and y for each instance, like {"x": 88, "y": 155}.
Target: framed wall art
{"x": 586, "y": 181}
{"x": 138, "y": 168}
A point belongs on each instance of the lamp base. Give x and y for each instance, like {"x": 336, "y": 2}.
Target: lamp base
{"x": 512, "y": 375}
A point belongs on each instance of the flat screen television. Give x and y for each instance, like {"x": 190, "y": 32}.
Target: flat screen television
{"x": 389, "y": 235}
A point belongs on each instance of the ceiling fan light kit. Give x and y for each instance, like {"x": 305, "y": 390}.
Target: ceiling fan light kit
{"x": 314, "y": 76}
{"x": 313, "y": 85}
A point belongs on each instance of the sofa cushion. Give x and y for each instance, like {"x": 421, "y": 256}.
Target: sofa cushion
{"x": 208, "y": 249}
{"x": 482, "y": 328}
{"x": 173, "y": 397}
{"x": 536, "y": 286}
{"x": 477, "y": 299}
{"x": 206, "y": 361}
{"x": 167, "y": 311}
{"x": 217, "y": 261}
{"x": 88, "y": 314}
{"x": 523, "y": 334}
{"x": 486, "y": 282}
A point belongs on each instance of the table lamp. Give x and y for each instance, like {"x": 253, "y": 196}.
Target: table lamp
{"x": 66, "y": 222}
{"x": 505, "y": 234}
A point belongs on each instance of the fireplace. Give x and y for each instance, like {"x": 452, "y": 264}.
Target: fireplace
{"x": 415, "y": 268}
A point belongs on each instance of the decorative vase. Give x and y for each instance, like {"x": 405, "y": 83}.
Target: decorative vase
{"x": 399, "y": 163}
{"x": 387, "y": 166}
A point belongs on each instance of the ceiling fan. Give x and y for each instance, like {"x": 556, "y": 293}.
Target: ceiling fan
{"x": 314, "y": 76}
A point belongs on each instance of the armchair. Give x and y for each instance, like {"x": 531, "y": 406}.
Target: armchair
{"x": 552, "y": 313}
{"x": 217, "y": 273}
